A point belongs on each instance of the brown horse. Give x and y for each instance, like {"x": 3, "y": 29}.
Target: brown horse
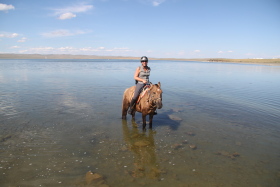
{"x": 149, "y": 100}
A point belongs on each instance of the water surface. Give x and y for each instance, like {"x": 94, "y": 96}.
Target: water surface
{"x": 60, "y": 119}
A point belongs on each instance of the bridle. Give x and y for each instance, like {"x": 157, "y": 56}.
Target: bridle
{"x": 153, "y": 100}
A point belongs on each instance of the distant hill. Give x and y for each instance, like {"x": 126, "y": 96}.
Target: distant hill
{"x": 65, "y": 56}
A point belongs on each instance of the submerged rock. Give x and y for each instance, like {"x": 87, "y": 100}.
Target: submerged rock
{"x": 124, "y": 148}
{"x": 227, "y": 154}
{"x": 235, "y": 154}
{"x": 173, "y": 117}
{"x": 190, "y": 133}
{"x": 177, "y": 146}
{"x": 94, "y": 178}
{"x": 5, "y": 138}
{"x": 193, "y": 147}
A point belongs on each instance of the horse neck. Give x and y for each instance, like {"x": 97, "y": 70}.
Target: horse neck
{"x": 149, "y": 93}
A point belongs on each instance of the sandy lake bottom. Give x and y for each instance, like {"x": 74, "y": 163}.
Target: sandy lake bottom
{"x": 61, "y": 125}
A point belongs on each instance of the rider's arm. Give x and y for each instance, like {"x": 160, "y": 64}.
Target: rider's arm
{"x": 136, "y": 76}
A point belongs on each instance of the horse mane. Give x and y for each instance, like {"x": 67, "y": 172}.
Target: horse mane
{"x": 151, "y": 88}
{"x": 152, "y": 85}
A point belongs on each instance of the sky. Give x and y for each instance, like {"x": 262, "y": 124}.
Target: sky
{"x": 154, "y": 28}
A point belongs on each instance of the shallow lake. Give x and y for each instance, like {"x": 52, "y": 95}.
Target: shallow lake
{"x": 61, "y": 125}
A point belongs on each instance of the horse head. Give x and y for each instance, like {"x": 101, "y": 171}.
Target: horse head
{"x": 156, "y": 95}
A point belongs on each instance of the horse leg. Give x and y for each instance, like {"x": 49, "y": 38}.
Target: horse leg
{"x": 151, "y": 120}
{"x": 144, "y": 120}
{"x": 133, "y": 115}
{"x": 125, "y": 106}
{"x": 124, "y": 112}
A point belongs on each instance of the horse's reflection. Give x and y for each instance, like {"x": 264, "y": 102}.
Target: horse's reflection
{"x": 143, "y": 146}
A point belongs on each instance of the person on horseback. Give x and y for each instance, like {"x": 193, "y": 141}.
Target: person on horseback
{"x": 141, "y": 77}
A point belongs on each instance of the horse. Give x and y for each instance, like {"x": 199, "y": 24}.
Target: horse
{"x": 149, "y": 100}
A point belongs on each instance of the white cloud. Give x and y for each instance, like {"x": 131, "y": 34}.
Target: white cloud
{"x": 73, "y": 50}
{"x": 157, "y": 2}
{"x": 38, "y": 50}
{"x": 152, "y": 2}
{"x": 8, "y": 35}
{"x": 57, "y": 33}
{"x": 5, "y": 7}
{"x": 15, "y": 47}
{"x": 43, "y": 48}
{"x": 22, "y": 39}
{"x": 121, "y": 48}
{"x": 103, "y": 49}
{"x": 68, "y": 12}
{"x": 196, "y": 51}
{"x": 65, "y": 48}
{"x": 90, "y": 49}
{"x": 221, "y": 52}
{"x": 63, "y": 32}
{"x": 75, "y": 8}
{"x": 68, "y": 15}
{"x": 86, "y": 49}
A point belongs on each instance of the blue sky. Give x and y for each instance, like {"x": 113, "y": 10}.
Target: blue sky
{"x": 155, "y": 28}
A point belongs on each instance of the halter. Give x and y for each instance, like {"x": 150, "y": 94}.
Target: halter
{"x": 153, "y": 100}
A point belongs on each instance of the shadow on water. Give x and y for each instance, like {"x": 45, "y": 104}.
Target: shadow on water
{"x": 141, "y": 143}
{"x": 163, "y": 119}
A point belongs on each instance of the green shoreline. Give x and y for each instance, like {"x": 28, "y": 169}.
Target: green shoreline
{"x": 64, "y": 56}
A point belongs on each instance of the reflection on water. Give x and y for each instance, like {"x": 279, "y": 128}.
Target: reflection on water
{"x": 143, "y": 147}
{"x": 61, "y": 125}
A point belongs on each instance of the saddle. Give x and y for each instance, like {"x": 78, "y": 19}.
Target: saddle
{"x": 145, "y": 90}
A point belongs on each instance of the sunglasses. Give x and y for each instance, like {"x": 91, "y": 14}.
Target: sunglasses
{"x": 144, "y": 61}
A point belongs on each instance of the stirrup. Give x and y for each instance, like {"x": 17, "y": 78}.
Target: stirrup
{"x": 155, "y": 112}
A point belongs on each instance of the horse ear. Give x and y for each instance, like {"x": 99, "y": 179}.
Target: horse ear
{"x": 159, "y": 84}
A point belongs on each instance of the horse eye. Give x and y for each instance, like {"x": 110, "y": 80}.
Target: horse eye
{"x": 154, "y": 92}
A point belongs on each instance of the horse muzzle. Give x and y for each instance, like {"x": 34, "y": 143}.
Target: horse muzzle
{"x": 159, "y": 103}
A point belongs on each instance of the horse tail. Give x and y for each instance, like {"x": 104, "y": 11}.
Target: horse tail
{"x": 125, "y": 103}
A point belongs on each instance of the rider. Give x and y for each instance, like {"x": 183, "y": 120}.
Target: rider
{"x": 141, "y": 77}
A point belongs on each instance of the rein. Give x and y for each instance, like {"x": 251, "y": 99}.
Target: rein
{"x": 153, "y": 100}
{"x": 147, "y": 90}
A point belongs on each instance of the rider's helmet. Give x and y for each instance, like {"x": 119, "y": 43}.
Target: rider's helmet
{"x": 144, "y": 59}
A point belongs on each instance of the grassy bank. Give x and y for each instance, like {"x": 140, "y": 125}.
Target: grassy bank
{"x": 253, "y": 61}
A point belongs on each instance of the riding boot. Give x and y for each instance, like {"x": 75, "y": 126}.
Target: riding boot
{"x": 132, "y": 104}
